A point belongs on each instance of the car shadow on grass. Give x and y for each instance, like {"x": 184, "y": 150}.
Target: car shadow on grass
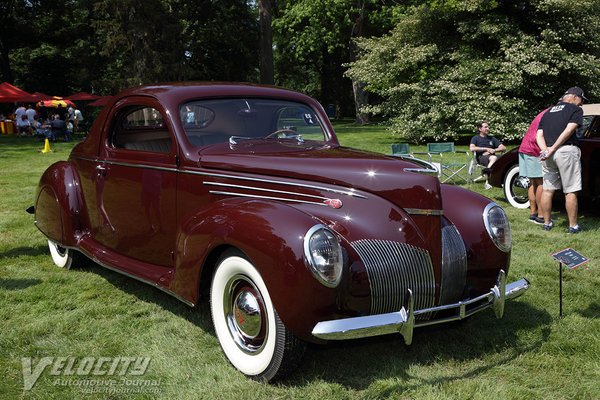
{"x": 33, "y": 251}
{"x": 18, "y": 284}
{"x": 593, "y": 311}
{"x": 199, "y": 315}
{"x": 357, "y": 364}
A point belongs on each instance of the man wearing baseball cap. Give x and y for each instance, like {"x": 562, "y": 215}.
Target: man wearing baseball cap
{"x": 561, "y": 155}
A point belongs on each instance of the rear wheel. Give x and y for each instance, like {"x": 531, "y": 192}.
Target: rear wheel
{"x": 515, "y": 188}
{"x": 63, "y": 257}
{"x": 250, "y": 332}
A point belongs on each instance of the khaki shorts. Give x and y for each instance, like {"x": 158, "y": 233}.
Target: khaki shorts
{"x": 563, "y": 170}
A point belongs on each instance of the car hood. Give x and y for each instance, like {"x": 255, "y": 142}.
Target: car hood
{"x": 375, "y": 173}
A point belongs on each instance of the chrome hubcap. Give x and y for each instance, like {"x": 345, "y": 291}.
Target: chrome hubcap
{"x": 519, "y": 188}
{"x": 245, "y": 315}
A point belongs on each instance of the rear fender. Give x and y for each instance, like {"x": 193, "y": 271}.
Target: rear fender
{"x": 271, "y": 235}
{"x": 59, "y": 208}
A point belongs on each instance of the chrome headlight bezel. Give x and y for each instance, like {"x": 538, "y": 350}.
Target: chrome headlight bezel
{"x": 497, "y": 226}
{"x": 326, "y": 265}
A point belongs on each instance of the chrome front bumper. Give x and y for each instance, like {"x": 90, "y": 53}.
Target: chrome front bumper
{"x": 403, "y": 321}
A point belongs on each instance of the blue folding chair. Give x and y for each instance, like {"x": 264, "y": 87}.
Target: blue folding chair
{"x": 400, "y": 149}
{"x": 449, "y": 168}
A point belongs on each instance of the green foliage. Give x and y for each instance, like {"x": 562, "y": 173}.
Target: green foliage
{"x": 314, "y": 40}
{"x": 449, "y": 64}
{"x": 64, "y": 46}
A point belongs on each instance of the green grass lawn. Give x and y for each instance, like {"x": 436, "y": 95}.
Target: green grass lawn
{"x": 92, "y": 312}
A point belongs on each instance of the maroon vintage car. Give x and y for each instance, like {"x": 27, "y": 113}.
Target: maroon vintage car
{"x": 505, "y": 172}
{"x": 243, "y": 193}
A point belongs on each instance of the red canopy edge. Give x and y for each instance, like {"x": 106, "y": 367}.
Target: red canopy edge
{"x": 83, "y": 96}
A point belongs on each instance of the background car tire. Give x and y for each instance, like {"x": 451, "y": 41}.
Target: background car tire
{"x": 250, "y": 332}
{"x": 63, "y": 257}
{"x": 515, "y": 189}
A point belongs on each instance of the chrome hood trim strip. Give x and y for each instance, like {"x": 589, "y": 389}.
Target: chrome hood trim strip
{"x": 256, "y": 196}
{"x": 259, "y": 189}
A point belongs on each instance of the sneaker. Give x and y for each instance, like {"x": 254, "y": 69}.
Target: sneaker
{"x": 536, "y": 220}
{"x": 575, "y": 230}
{"x": 549, "y": 226}
{"x": 487, "y": 186}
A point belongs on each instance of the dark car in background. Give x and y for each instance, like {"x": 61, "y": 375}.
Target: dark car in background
{"x": 505, "y": 172}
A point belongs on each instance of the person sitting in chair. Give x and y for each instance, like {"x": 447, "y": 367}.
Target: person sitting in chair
{"x": 59, "y": 128}
{"x": 485, "y": 147}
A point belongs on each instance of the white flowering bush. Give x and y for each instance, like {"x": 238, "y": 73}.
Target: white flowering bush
{"x": 445, "y": 67}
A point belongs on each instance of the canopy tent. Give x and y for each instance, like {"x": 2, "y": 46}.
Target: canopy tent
{"x": 11, "y": 94}
{"x": 83, "y": 96}
{"x": 56, "y": 102}
{"x": 101, "y": 102}
{"x": 39, "y": 96}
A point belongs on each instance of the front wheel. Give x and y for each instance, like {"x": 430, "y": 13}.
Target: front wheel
{"x": 63, "y": 257}
{"x": 250, "y": 332}
{"x": 515, "y": 188}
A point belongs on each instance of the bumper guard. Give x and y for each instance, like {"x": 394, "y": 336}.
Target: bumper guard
{"x": 403, "y": 321}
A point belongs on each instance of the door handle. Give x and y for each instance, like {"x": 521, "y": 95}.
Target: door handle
{"x": 100, "y": 170}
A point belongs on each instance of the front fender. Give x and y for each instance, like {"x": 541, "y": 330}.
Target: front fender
{"x": 60, "y": 213}
{"x": 464, "y": 209}
{"x": 271, "y": 235}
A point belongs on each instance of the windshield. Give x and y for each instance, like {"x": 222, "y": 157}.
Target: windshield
{"x": 216, "y": 121}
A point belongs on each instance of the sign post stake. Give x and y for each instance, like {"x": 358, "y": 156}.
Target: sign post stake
{"x": 572, "y": 259}
{"x": 560, "y": 280}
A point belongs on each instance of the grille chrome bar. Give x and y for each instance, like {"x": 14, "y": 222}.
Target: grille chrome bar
{"x": 454, "y": 265}
{"x": 394, "y": 268}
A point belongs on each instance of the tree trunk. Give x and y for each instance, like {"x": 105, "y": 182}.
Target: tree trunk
{"x": 361, "y": 98}
{"x": 266, "y": 42}
{"x": 7, "y": 75}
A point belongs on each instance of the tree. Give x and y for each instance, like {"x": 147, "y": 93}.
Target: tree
{"x": 220, "y": 39}
{"x": 266, "y": 42}
{"x": 447, "y": 65}
{"x": 314, "y": 39}
{"x": 140, "y": 38}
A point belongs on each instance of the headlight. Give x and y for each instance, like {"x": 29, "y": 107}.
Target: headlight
{"x": 497, "y": 226}
{"x": 324, "y": 255}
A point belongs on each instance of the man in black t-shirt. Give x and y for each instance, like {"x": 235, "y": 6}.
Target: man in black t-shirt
{"x": 561, "y": 155}
{"x": 484, "y": 146}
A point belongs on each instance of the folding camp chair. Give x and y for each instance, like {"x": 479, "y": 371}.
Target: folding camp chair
{"x": 450, "y": 164}
{"x": 475, "y": 169}
{"x": 400, "y": 149}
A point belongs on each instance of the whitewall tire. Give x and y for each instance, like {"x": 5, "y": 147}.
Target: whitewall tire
{"x": 249, "y": 329}
{"x": 515, "y": 188}
{"x": 63, "y": 257}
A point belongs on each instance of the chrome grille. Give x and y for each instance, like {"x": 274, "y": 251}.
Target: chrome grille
{"x": 393, "y": 268}
{"x": 454, "y": 265}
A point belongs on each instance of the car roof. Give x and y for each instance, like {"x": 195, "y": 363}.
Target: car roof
{"x": 591, "y": 109}
{"x": 182, "y": 90}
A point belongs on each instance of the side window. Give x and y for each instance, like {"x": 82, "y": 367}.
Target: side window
{"x": 141, "y": 128}
{"x": 594, "y": 129}
{"x": 301, "y": 120}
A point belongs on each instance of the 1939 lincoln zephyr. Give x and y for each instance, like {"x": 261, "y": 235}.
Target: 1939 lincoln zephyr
{"x": 242, "y": 193}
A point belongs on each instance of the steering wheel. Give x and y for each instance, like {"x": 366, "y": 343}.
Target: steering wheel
{"x": 288, "y": 133}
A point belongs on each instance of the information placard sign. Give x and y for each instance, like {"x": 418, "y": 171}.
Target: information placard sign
{"x": 570, "y": 258}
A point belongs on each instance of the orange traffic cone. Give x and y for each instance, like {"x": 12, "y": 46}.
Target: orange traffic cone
{"x": 46, "y": 147}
